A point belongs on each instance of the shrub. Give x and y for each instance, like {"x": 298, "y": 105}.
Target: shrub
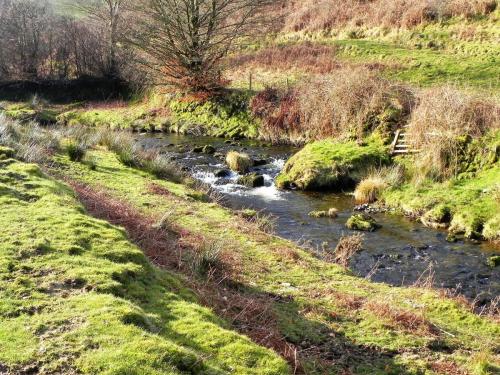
{"x": 280, "y": 115}
{"x": 442, "y": 125}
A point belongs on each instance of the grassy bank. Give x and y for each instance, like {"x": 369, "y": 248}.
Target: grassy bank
{"x": 332, "y": 319}
{"x": 77, "y": 296}
{"x": 466, "y": 207}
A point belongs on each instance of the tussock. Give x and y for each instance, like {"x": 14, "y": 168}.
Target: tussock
{"x": 32, "y": 143}
{"x": 372, "y": 186}
{"x": 369, "y": 189}
{"x": 124, "y": 146}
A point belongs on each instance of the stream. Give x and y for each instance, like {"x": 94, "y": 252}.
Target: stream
{"x": 402, "y": 252}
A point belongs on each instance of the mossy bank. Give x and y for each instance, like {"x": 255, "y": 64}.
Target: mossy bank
{"x": 332, "y": 165}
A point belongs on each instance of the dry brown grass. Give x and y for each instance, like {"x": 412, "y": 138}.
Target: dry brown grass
{"x": 309, "y": 57}
{"x": 441, "y": 117}
{"x": 448, "y": 368}
{"x": 369, "y": 189}
{"x": 350, "y": 302}
{"x": 158, "y": 190}
{"x": 346, "y": 248}
{"x": 408, "y": 321}
{"x": 314, "y": 15}
{"x": 288, "y": 253}
{"x": 349, "y": 103}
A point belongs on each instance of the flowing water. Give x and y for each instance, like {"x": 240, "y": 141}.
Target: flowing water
{"x": 402, "y": 252}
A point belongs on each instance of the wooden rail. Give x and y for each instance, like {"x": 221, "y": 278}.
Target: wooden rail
{"x": 400, "y": 146}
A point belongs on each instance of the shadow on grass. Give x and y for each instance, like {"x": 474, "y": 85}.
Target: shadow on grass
{"x": 272, "y": 320}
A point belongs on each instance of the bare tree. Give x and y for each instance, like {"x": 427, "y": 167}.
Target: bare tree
{"x": 184, "y": 41}
{"x": 24, "y": 25}
{"x": 109, "y": 14}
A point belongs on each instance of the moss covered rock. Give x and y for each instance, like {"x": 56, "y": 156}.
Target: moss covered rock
{"x": 221, "y": 173}
{"x": 251, "y": 180}
{"x": 239, "y": 162}
{"x": 223, "y": 116}
{"x": 362, "y": 222}
{"x": 494, "y": 261}
{"x": 6, "y": 152}
{"x": 330, "y": 165}
{"x": 331, "y": 213}
{"x": 467, "y": 224}
{"x": 208, "y": 149}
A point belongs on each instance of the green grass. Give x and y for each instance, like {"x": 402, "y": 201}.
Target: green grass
{"x": 77, "y": 296}
{"x": 476, "y": 198}
{"x": 425, "y": 66}
{"x": 456, "y": 51}
{"x": 309, "y": 297}
{"x": 41, "y": 113}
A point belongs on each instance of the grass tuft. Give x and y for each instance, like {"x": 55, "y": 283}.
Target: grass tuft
{"x": 369, "y": 189}
{"x": 346, "y": 248}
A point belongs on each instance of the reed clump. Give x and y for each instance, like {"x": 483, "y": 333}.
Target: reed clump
{"x": 441, "y": 126}
{"x": 370, "y": 188}
{"x": 348, "y": 104}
